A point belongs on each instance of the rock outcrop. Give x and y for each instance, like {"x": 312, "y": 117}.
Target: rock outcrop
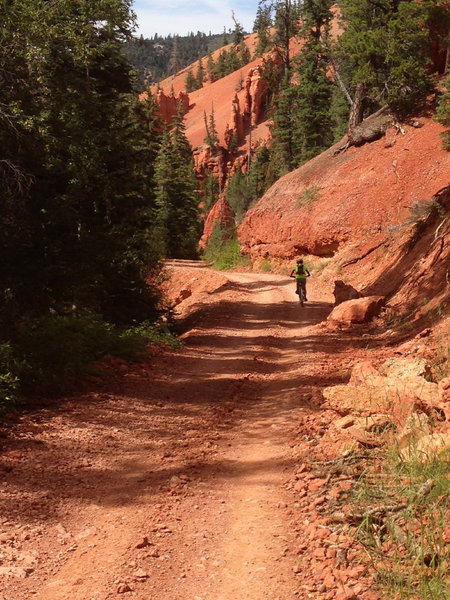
{"x": 168, "y": 104}
{"x": 360, "y": 310}
{"x": 349, "y": 200}
{"x": 220, "y": 214}
{"x": 392, "y": 403}
{"x": 343, "y": 291}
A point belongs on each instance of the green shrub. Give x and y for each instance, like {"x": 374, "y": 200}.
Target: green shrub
{"x": 405, "y": 507}
{"x": 266, "y": 266}
{"x": 9, "y": 381}
{"x": 443, "y": 115}
{"x": 308, "y": 197}
{"x": 224, "y": 250}
{"x": 57, "y": 347}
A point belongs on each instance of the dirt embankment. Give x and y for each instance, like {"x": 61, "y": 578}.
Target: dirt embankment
{"x": 341, "y": 200}
{"x": 199, "y": 474}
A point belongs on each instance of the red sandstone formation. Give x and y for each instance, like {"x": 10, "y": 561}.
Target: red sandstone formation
{"x": 353, "y": 198}
{"x": 220, "y": 214}
{"x": 360, "y": 310}
{"x": 255, "y": 90}
{"x": 168, "y": 104}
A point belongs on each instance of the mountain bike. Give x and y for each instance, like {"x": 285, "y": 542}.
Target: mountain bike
{"x": 301, "y": 295}
{"x": 301, "y": 291}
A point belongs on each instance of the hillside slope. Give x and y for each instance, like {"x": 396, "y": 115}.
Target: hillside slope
{"x": 348, "y": 206}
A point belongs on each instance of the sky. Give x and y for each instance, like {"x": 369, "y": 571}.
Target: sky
{"x": 183, "y": 16}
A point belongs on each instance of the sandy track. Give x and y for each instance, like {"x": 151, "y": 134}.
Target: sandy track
{"x": 170, "y": 484}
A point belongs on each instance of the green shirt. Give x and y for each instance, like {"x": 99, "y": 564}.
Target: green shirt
{"x": 300, "y": 271}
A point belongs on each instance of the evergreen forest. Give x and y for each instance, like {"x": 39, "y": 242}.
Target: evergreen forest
{"x": 89, "y": 204}
{"x": 156, "y": 58}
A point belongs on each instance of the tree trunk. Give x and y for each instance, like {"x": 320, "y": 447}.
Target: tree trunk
{"x": 356, "y": 111}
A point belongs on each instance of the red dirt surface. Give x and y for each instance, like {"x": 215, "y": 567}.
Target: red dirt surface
{"x": 192, "y": 476}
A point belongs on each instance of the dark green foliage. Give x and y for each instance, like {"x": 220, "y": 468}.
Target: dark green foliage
{"x": 238, "y": 31}
{"x": 385, "y": 47}
{"x": 224, "y": 249}
{"x": 244, "y": 189}
{"x": 239, "y": 194}
{"x": 76, "y": 173}
{"x": 225, "y": 40}
{"x": 200, "y": 74}
{"x": 190, "y": 83}
{"x": 210, "y": 67}
{"x": 261, "y": 26}
{"x": 212, "y": 137}
{"x": 210, "y": 189}
{"x": 283, "y": 129}
{"x": 244, "y": 54}
{"x": 9, "y": 380}
{"x": 155, "y": 59}
{"x": 443, "y": 115}
{"x": 234, "y": 143}
{"x": 286, "y": 23}
{"x": 177, "y": 200}
{"x": 230, "y": 61}
{"x": 313, "y": 124}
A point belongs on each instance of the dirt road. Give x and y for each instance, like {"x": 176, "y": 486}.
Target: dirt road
{"x": 173, "y": 481}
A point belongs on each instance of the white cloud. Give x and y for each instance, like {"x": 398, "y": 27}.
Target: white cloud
{"x": 182, "y": 16}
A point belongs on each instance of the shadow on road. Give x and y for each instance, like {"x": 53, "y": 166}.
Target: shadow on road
{"x": 239, "y": 356}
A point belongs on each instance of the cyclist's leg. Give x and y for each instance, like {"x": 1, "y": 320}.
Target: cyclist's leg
{"x": 297, "y": 286}
{"x": 303, "y": 288}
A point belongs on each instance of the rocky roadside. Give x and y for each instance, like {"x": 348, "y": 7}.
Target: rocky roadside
{"x": 131, "y": 490}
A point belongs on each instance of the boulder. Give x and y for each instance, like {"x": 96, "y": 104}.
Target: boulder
{"x": 405, "y": 367}
{"x": 343, "y": 292}
{"x": 397, "y": 397}
{"x": 360, "y": 310}
{"x": 361, "y": 371}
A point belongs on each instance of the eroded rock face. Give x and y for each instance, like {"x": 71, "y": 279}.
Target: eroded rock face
{"x": 360, "y": 310}
{"x": 347, "y": 202}
{"x": 220, "y": 214}
{"x": 168, "y": 104}
{"x": 391, "y": 403}
{"x": 342, "y": 292}
{"x": 255, "y": 91}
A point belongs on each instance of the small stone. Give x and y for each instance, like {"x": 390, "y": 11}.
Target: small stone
{"x": 143, "y": 543}
{"x": 141, "y": 574}
{"x": 123, "y": 588}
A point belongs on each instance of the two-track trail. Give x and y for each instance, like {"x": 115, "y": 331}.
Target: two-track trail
{"x": 169, "y": 483}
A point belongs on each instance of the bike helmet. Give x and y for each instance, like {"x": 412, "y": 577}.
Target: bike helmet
{"x": 299, "y": 261}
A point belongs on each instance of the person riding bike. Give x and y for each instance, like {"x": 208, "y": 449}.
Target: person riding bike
{"x": 300, "y": 272}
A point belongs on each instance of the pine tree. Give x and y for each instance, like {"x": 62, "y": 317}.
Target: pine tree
{"x": 238, "y": 31}
{"x": 85, "y": 203}
{"x": 261, "y": 26}
{"x": 210, "y": 68}
{"x": 190, "y": 83}
{"x": 177, "y": 201}
{"x": 385, "y": 49}
{"x": 211, "y": 137}
{"x": 443, "y": 114}
{"x": 200, "y": 74}
{"x": 210, "y": 188}
{"x": 283, "y": 128}
{"x": 244, "y": 54}
{"x": 313, "y": 125}
{"x": 225, "y": 38}
{"x": 175, "y": 64}
{"x": 286, "y": 20}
